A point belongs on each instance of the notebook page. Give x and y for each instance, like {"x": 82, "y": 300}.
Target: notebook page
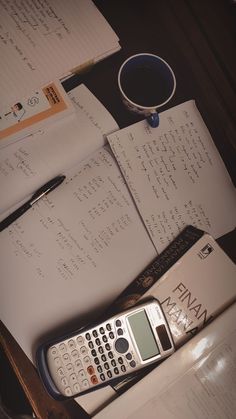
{"x": 72, "y": 253}
{"x": 176, "y": 175}
{"x": 42, "y": 41}
{"x": 29, "y": 163}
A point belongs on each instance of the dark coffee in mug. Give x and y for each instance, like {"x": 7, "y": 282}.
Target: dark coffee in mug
{"x": 146, "y": 83}
{"x": 142, "y": 86}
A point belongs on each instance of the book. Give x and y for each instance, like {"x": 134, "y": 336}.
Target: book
{"x": 64, "y": 262}
{"x": 198, "y": 380}
{"x": 40, "y": 108}
{"x": 42, "y": 43}
{"x": 156, "y": 269}
{"x": 182, "y": 278}
{"x": 185, "y": 290}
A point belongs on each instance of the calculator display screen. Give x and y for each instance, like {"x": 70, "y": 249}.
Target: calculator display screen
{"x": 143, "y": 335}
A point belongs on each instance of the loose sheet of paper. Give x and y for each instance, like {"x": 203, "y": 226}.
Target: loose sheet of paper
{"x": 43, "y": 40}
{"x": 29, "y": 163}
{"x": 176, "y": 175}
{"x": 72, "y": 253}
{"x": 207, "y": 390}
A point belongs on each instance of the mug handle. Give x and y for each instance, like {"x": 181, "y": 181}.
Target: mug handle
{"x": 153, "y": 119}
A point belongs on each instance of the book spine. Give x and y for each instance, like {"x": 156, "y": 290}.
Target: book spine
{"x": 158, "y": 267}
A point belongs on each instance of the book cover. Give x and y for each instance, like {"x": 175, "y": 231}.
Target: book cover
{"x": 193, "y": 279}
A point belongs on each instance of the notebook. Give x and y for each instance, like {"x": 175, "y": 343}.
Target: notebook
{"x": 43, "y": 42}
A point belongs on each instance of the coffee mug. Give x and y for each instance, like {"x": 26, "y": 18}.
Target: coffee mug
{"x": 146, "y": 83}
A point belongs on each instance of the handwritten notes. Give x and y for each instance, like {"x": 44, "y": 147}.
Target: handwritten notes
{"x": 176, "y": 175}
{"x": 26, "y": 165}
{"x": 44, "y": 40}
{"x": 74, "y": 251}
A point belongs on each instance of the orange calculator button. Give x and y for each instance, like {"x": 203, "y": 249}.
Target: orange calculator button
{"x": 90, "y": 370}
{"x": 94, "y": 379}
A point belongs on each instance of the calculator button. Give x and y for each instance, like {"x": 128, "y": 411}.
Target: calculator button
{"x": 91, "y": 345}
{"x": 94, "y": 379}
{"x": 116, "y": 371}
{"x": 113, "y": 363}
{"x": 90, "y": 370}
{"x": 100, "y": 350}
{"x": 68, "y": 391}
{"x": 103, "y": 358}
{"x": 106, "y": 366}
{"x": 132, "y": 364}
{"x": 96, "y": 361}
{"x": 87, "y": 336}
{"x": 66, "y": 357}
{"x": 62, "y": 347}
{"x": 123, "y": 369}
{"x": 71, "y": 344}
{"x": 104, "y": 338}
{"x": 101, "y": 330}
{"x": 98, "y": 342}
{"x": 53, "y": 351}
{"x": 102, "y": 376}
{"x": 83, "y": 350}
{"x": 110, "y": 354}
{"x": 60, "y": 372}
{"x": 99, "y": 368}
{"x": 95, "y": 333}
{"x": 75, "y": 353}
{"x": 76, "y": 388}
{"x": 73, "y": 379}
{"x": 109, "y": 374}
{"x": 78, "y": 363}
{"x": 93, "y": 352}
{"x": 85, "y": 384}
{"x": 69, "y": 367}
{"x": 80, "y": 340}
{"x": 82, "y": 374}
{"x": 111, "y": 335}
{"x": 108, "y": 327}
{"x": 57, "y": 362}
{"x": 121, "y": 345}
{"x": 64, "y": 381}
{"x": 120, "y": 332}
{"x": 118, "y": 323}
{"x": 107, "y": 346}
{"x": 86, "y": 360}
{"x": 128, "y": 356}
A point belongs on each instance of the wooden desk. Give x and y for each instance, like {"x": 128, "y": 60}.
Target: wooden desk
{"x": 197, "y": 40}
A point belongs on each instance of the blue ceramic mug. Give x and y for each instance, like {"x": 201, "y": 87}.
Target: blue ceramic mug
{"x": 146, "y": 83}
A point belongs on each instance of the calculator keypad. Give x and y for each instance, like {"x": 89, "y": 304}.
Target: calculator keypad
{"x": 89, "y": 359}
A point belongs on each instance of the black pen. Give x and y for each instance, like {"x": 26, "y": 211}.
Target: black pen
{"x": 44, "y": 190}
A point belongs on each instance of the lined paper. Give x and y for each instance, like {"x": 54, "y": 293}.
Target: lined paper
{"x": 41, "y": 41}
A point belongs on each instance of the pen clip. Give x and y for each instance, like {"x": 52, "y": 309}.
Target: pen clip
{"x": 47, "y": 187}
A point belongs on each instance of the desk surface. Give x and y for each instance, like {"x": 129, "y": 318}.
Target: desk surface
{"x": 197, "y": 40}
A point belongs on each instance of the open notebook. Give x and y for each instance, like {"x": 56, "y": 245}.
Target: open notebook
{"x": 71, "y": 255}
{"x": 42, "y": 42}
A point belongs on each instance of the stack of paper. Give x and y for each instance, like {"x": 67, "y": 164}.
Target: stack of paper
{"x": 42, "y": 42}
